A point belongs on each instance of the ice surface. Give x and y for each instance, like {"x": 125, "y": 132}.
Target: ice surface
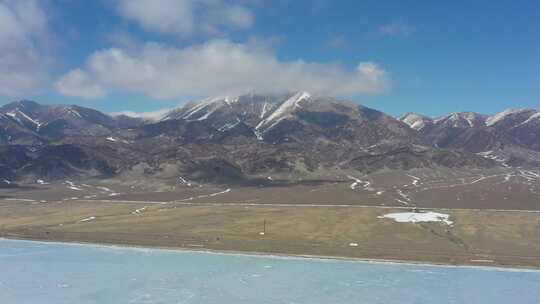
{"x": 53, "y": 273}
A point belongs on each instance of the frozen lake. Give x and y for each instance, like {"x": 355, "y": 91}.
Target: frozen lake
{"x": 36, "y": 272}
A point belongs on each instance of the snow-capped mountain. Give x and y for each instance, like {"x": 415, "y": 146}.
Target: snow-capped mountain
{"x": 227, "y": 111}
{"x": 506, "y": 119}
{"x": 454, "y": 120}
{"x": 263, "y": 112}
{"x": 234, "y": 137}
{"x": 295, "y": 117}
{"x": 521, "y": 126}
{"x": 55, "y": 121}
{"x": 510, "y": 117}
{"x": 505, "y": 135}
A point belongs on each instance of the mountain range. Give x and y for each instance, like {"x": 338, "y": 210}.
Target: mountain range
{"x": 240, "y": 138}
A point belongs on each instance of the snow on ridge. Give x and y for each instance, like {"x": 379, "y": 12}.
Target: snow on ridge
{"x": 485, "y": 153}
{"x": 17, "y": 112}
{"x": 418, "y": 125}
{"x": 415, "y": 121}
{"x": 11, "y": 114}
{"x": 203, "y": 104}
{"x": 284, "y": 109}
{"x": 230, "y": 125}
{"x": 258, "y": 135}
{"x": 531, "y": 118}
{"x": 27, "y": 117}
{"x": 501, "y": 116}
{"x": 205, "y": 116}
{"x": 264, "y": 110}
{"x": 14, "y": 116}
{"x": 451, "y": 117}
{"x": 456, "y": 117}
{"x": 229, "y": 101}
{"x": 469, "y": 117}
{"x": 203, "y": 109}
{"x": 112, "y": 139}
{"x": 73, "y": 112}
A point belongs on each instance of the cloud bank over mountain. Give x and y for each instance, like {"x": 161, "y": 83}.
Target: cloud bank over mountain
{"x": 213, "y": 68}
{"x": 23, "y": 29}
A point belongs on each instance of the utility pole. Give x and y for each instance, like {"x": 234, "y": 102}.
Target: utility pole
{"x": 264, "y": 228}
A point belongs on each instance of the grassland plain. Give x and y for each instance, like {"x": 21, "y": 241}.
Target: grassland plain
{"x": 485, "y": 237}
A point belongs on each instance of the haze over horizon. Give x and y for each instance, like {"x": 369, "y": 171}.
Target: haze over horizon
{"x": 150, "y": 55}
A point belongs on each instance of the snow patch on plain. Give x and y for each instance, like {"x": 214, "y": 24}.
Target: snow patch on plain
{"x": 72, "y": 186}
{"x": 88, "y": 219}
{"x": 357, "y": 182}
{"x": 414, "y": 217}
{"x": 219, "y": 193}
{"x": 184, "y": 181}
{"x": 139, "y": 211}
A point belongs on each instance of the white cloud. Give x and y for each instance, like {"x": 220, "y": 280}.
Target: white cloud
{"x": 185, "y": 17}
{"x": 23, "y": 26}
{"x": 397, "y": 29}
{"x": 214, "y": 68}
{"x": 151, "y": 115}
{"x": 78, "y": 83}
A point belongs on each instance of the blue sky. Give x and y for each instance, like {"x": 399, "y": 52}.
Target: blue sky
{"x": 431, "y": 57}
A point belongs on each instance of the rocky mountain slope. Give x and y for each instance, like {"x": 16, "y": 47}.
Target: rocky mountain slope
{"x": 511, "y": 137}
{"x": 38, "y": 123}
{"x": 236, "y": 139}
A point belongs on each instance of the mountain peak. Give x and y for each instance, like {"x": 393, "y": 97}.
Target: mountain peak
{"x": 28, "y": 103}
{"x": 24, "y": 104}
{"x": 462, "y": 120}
{"x": 254, "y": 104}
{"x": 415, "y": 121}
{"x": 506, "y": 114}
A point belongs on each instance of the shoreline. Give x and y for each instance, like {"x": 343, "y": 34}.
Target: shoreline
{"x": 275, "y": 255}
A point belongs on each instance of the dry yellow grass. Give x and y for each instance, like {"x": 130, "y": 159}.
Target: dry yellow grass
{"x": 507, "y": 238}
